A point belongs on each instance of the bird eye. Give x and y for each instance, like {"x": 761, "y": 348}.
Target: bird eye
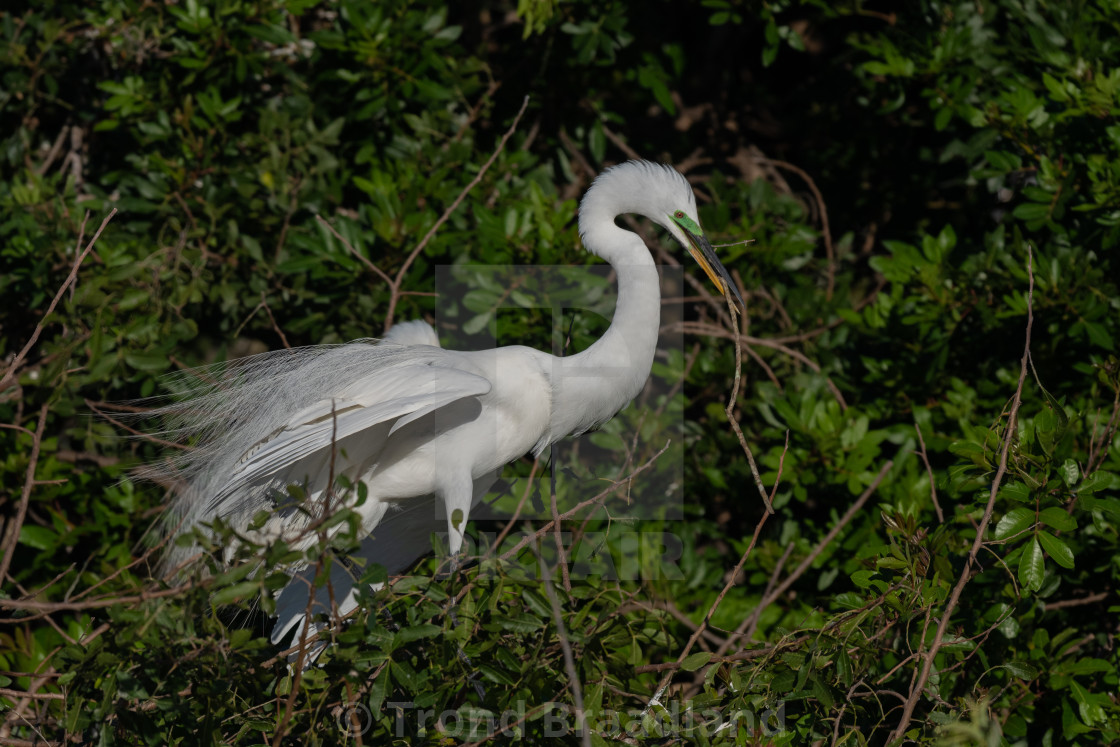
{"x": 679, "y": 214}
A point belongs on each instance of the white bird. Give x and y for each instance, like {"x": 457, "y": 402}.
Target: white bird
{"x": 426, "y": 430}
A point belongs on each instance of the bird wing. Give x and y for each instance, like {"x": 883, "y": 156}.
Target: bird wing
{"x": 402, "y": 393}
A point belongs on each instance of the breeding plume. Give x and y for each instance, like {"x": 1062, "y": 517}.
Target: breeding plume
{"x": 426, "y": 430}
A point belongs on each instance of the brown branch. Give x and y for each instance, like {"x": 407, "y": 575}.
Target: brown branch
{"x": 361, "y": 257}
{"x": 1065, "y": 603}
{"x": 750, "y": 623}
{"x": 918, "y": 686}
{"x": 713, "y": 330}
{"x": 70, "y": 280}
{"x": 394, "y": 296}
{"x": 754, "y": 653}
{"x": 664, "y": 683}
{"x": 272, "y": 319}
{"x": 584, "y": 504}
{"x": 9, "y": 693}
{"x": 621, "y": 144}
{"x": 569, "y": 658}
{"x": 25, "y": 497}
{"x": 783, "y": 587}
{"x": 826, "y": 233}
{"x": 729, "y": 411}
{"x": 929, "y": 471}
{"x": 99, "y": 603}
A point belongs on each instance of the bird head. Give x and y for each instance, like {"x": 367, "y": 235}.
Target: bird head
{"x": 661, "y": 194}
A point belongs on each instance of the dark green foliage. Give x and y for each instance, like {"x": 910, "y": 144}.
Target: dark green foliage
{"x": 962, "y": 152}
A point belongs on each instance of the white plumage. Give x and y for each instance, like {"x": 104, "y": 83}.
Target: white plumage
{"x": 427, "y": 430}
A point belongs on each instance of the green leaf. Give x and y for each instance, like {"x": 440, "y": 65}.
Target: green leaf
{"x": 1021, "y": 669}
{"x": 1013, "y": 522}
{"x": 416, "y": 632}
{"x": 695, "y": 661}
{"x": 1032, "y": 568}
{"x": 237, "y": 592}
{"x": 1031, "y": 211}
{"x": 41, "y": 538}
{"x": 1056, "y": 549}
{"x": 1057, "y": 518}
{"x": 1095, "y": 481}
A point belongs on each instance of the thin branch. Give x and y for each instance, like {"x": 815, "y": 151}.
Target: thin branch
{"x": 569, "y": 659}
{"x": 826, "y": 233}
{"x": 395, "y": 295}
{"x": 13, "y": 367}
{"x": 929, "y": 471}
{"x": 361, "y": 257}
{"x": 275, "y": 326}
{"x": 729, "y": 410}
{"x": 584, "y": 504}
{"x": 918, "y": 686}
{"x": 1066, "y": 603}
{"x": 25, "y": 497}
{"x": 805, "y": 564}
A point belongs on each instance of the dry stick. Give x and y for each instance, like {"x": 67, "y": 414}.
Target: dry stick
{"x": 754, "y": 653}
{"x": 783, "y": 587}
{"x": 1091, "y": 599}
{"x": 394, "y": 297}
{"x": 569, "y": 659}
{"x": 394, "y": 284}
{"x": 272, "y": 319}
{"x": 712, "y": 330}
{"x": 1106, "y": 438}
{"x": 584, "y": 504}
{"x": 25, "y": 497}
{"x": 99, "y": 603}
{"x": 726, "y": 588}
{"x": 361, "y": 257}
{"x": 517, "y": 511}
{"x": 621, "y": 144}
{"x": 919, "y": 685}
{"x": 929, "y": 471}
{"x": 305, "y": 639}
{"x": 159, "y": 441}
{"x": 8, "y": 693}
{"x": 747, "y": 627}
{"x": 561, "y": 557}
{"x": 731, "y": 406}
{"x": 70, "y": 280}
{"x": 826, "y": 233}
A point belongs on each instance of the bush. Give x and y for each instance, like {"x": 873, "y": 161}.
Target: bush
{"x": 931, "y": 378}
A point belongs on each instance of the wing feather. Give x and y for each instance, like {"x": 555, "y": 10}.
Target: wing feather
{"x": 403, "y": 394}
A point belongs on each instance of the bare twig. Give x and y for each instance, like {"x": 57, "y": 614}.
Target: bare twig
{"x": 655, "y": 700}
{"x": 826, "y": 233}
{"x": 746, "y": 629}
{"x": 350, "y": 248}
{"x": 569, "y": 659}
{"x": 929, "y": 471}
{"x": 14, "y": 366}
{"x": 25, "y": 497}
{"x": 729, "y": 410}
{"x": 584, "y": 504}
{"x": 918, "y": 686}
{"x": 275, "y": 326}
{"x": 1065, "y": 603}
{"x": 805, "y": 564}
{"x": 395, "y": 295}
{"x": 713, "y": 330}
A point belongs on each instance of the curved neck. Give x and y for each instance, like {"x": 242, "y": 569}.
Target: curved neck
{"x": 590, "y": 387}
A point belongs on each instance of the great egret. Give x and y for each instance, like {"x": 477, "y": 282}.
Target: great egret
{"x": 426, "y": 430}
